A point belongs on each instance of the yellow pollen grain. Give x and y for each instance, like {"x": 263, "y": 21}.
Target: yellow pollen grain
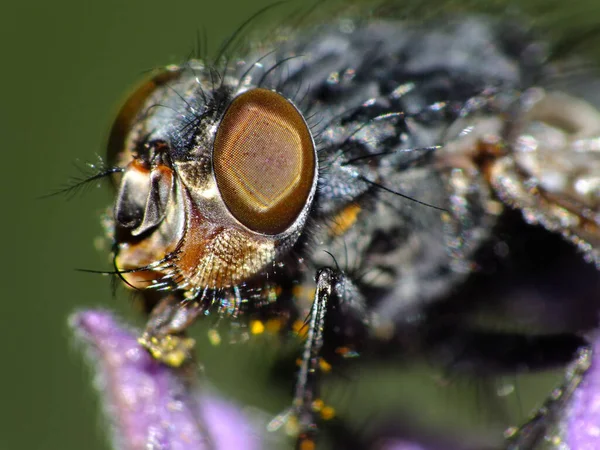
{"x": 257, "y": 327}
{"x": 156, "y": 354}
{"x": 317, "y": 405}
{"x": 175, "y": 358}
{"x": 307, "y": 444}
{"x": 214, "y": 337}
{"x": 324, "y": 366}
{"x": 327, "y": 413}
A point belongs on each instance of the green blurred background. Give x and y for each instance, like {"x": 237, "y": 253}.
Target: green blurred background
{"x": 67, "y": 65}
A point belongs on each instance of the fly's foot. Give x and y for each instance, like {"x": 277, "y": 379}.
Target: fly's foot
{"x": 300, "y": 422}
{"x": 169, "y": 349}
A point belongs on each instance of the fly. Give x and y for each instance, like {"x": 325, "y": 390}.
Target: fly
{"x": 350, "y": 177}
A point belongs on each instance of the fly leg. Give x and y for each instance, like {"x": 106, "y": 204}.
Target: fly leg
{"x": 339, "y": 301}
{"x": 545, "y": 421}
{"x": 478, "y": 352}
{"x": 164, "y": 336}
{"x": 306, "y": 392}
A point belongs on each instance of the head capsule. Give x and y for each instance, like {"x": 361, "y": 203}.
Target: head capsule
{"x": 217, "y": 183}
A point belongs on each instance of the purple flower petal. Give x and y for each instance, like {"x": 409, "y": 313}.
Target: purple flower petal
{"x": 149, "y": 406}
{"x": 404, "y": 445}
{"x": 582, "y": 417}
{"x": 427, "y": 443}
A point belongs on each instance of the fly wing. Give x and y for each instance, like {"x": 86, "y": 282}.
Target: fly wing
{"x": 552, "y": 170}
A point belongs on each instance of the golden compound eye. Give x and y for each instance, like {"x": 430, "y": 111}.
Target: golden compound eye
{"x": 264, "y": 161}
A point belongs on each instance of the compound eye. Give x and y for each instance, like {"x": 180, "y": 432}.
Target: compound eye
{"x": 264, "y": 161}
{"x": 119, "y": 149}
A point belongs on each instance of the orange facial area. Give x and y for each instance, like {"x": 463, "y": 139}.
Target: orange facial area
{"x": 218, "y": 257}
{"x": 264, "y": 161}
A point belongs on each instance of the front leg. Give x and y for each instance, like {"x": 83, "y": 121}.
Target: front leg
{"x": 164, "y": 336}
{"x": 306, "y": 392}
{"x": 339, "y": 301}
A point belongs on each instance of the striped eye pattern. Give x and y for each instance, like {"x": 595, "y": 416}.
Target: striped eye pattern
{"x": 264, "y": 161}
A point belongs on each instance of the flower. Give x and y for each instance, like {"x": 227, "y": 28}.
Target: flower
{"x": 581, "y": 417}
{"x": 151, "y": 406}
